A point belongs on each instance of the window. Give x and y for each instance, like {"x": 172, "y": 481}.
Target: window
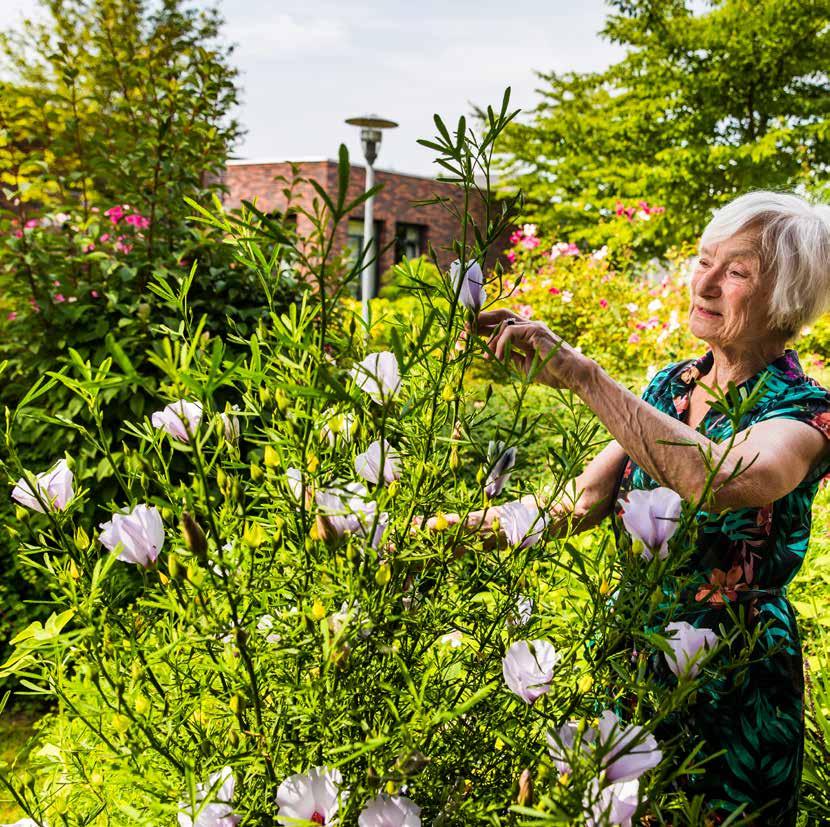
{"x": 410, "y": 241}
{"x": 354, "y": 247}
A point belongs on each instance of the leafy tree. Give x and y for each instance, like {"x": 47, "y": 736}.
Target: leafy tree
{"x": 112, "y": 113}
{"x": 704, "y": 106}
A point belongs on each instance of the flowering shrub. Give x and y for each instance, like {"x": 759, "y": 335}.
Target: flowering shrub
{"x": 255, "y": 629}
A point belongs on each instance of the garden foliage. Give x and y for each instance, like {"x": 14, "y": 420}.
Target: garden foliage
{"x": 112, "y": 113}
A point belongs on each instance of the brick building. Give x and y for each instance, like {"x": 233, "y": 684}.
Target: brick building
{"x": 401, "y": 228}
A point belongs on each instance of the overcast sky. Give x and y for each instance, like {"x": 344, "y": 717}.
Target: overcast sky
{"x": 306, "y": 66}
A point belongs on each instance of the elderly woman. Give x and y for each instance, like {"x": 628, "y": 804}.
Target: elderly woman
{"x": 762, "y": 273}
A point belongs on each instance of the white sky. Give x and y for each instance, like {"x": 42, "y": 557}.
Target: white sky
{"x": 306, "y": 66}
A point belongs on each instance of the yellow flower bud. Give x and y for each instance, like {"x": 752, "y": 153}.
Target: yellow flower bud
{"x": 441, "y": 522}
{"x": 585, "y": 683}
{"x": 392, "y": 488}
{"x": 281, "y": 401}
{"x": 256, "y": 472}
{"x": 391, "y": 787}
{"x": 120, "y": 723}
{"x": 254, "y": 535}
{"x": 272, "y": 458}
{"x": 495, "y": 524}
{"x": 73, "y": 570}
{"x": 565, "y": 779}
{"x": 383, "y": 575}
{"x": 221, "y": 479}
{"x": 312, "y": 463}
{"x": 81, "y": 539}
{"x": 21, "y": 513}
{"x": 454, "y": 460}
{"x": 448, "y": 394}
{"x": 264, "y": 395}
{"x": 142, "y": 705}
{"x": 96, "y": 779}
{"x": 318, "y": 610}
{"x": 499, "y": 744}
{"x": 480, "y": 475}
{"x": 637, "y": 546}
{"x": 604, "y": 587}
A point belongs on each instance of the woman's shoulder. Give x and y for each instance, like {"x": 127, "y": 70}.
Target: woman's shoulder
{"x": 787, "y": 381}
{"x": 663, "y": 382}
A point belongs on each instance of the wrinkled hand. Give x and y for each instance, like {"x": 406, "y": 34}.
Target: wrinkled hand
{"x": 557, "y": 364}
{"x": 477, "y": 522}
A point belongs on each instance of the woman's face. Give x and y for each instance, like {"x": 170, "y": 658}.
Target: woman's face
{"x": 729, "y": 305}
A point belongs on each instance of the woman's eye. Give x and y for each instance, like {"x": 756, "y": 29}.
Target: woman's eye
{"x": 703, "y": 262}
{"x": 738, "y": 274}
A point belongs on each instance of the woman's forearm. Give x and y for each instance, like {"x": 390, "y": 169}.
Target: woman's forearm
{"x": 668, "y": 450}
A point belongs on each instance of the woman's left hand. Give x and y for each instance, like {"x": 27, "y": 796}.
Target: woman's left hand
{"x": 557, "y": 363}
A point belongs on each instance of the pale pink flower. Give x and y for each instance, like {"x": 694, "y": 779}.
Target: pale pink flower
{"x": 689, "y": 646}
{"x": 54, "y": 487}
{"x": 138, "y": 536}
{"x": 95, "y": 294}
{"x": 470, "y": 288}
{"x": 510, "y": 256}
{"x": 218, "y": 813}
{"x": 59, "y": 298}
{"x": 230, "y": 424}
{"x": 369, "y": 466}
{"x": 294, "y": 479}
{"x": 31, "y": 224}
{"x": 525, "y": 311}
{"x": 500, "y": 461}
{"x": 11, "y": 316}
{"x": 89, "y": 248}
{"x": 603, "y": 303}
{"x": 390, "y": 811}
{"x": 633, "y": 339}
{"x": 311, "y": 796}
{"x": 379, "y": 376}
{"x": 563, "y": 743}
{"x": 348, "y": 509}
{"x": 179, "y": 418}
{"x": 652, "y": 517}
{"x": 627, "y": 751}
{"x": 528, "y": 666}
{"x": 612, "y": 805}
{"x": 122, "y": 246}
{"x": 523, "y": 525}
{"x": 105, "y": 237}
{"x": 567, "y": 296}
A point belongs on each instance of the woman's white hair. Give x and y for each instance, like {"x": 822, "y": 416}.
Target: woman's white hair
{"x": 794, "y": 249}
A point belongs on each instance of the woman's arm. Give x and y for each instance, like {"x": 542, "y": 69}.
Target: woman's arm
{"x": 585, "y": 501}
{"x": 765, "y": 463}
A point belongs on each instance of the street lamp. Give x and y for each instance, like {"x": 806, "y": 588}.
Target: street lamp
{"x": 370, "y": 135}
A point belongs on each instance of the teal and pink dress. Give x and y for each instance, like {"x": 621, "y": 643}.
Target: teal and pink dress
{"x": 746, "y": 558}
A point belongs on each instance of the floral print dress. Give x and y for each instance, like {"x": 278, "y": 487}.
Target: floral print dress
{"x": 743, "y": 562}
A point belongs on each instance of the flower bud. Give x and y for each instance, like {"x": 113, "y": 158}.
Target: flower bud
{"x": 236, "y": 703}
{"x": 312, "y": 463}
{"x": 194, "y": 537}
{"x": 525, "y": 796}
{"x": 480, "y": 475}
{"x": 441, "y": 523}
{"x": 392, "y": 488}
{"x": 221, "y": 479}
{"x": 454, "y": 460}
{"x": 272, "y": 458}
{"x": 391, "y": 787}
{"x": 254, "y": 535}
{"x": 383, "y": 575}
{"x": 167, "y": 514}
{"x": 318, "y": 610}
{"x": 73, "y": 570}
{"x": 81, "y": 539}
{"x": 604, "y": 587}
{"x": 256, "y": 472}
{"x": 282, "y": 401}
{"x": 21, "y": 513}
{"x": 195, "y": 575}
{"x": 585, "y": 684}
{"x": 120, "y": 723}
{"x": 264, "y": 395}
{"x": 447, "y": 393}
{"x": 174, "y": 568}
{"x": 142, "y": 705}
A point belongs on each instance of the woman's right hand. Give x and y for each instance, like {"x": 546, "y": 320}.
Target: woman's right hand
{"x": 480, "y": 522}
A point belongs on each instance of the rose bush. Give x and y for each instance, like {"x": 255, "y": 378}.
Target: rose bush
{"x": 256, "y": 628}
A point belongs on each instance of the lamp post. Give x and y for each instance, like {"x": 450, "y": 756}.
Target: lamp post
{"x": 370, "y": 136}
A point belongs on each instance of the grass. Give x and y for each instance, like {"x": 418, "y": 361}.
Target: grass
{"x": 17, "y": 726}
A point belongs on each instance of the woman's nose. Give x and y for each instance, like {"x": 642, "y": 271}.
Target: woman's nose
{"x": 709, "y": 281}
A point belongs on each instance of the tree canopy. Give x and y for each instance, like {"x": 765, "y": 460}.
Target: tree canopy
{"x": 704, "y": 106}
